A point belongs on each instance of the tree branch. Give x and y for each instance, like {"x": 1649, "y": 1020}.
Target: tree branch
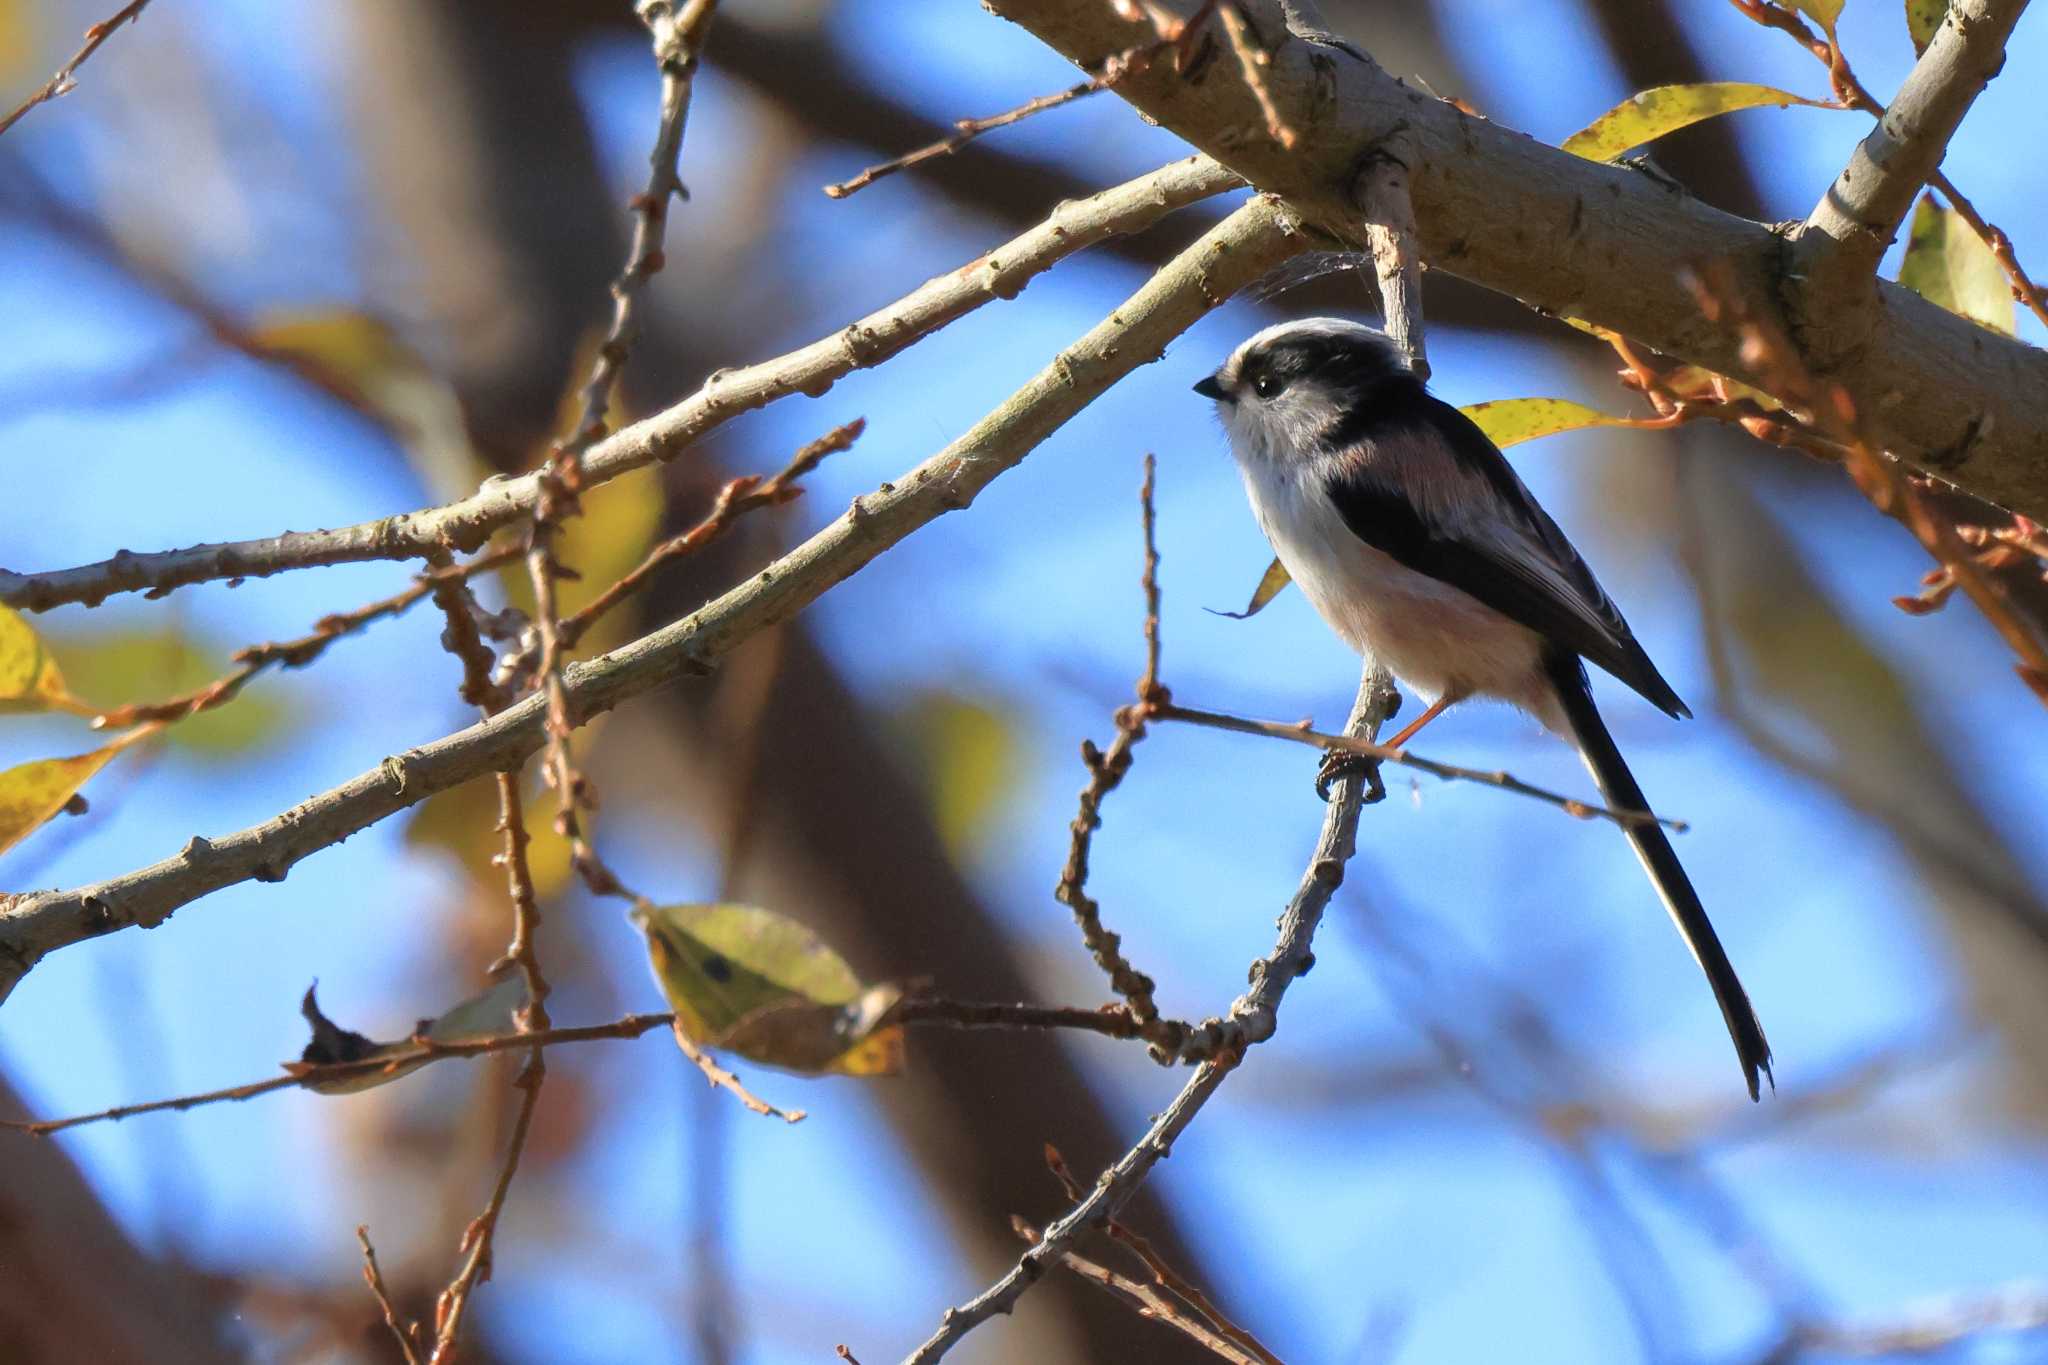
{"x": 1849, "y": 229}
{"x": 1254, "y": 239}
{"x": 1567, "y": 235}
{"x": 1252, "y": 1018}
{"x": 880, "y": 336}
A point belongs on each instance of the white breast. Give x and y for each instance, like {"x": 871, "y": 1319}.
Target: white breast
{"x": 1433, "y": 637}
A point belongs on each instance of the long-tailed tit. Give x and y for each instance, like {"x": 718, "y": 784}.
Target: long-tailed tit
{"x": 1414, "y": 539}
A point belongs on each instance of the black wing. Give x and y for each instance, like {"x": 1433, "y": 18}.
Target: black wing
{"x": 1435, "y": 495}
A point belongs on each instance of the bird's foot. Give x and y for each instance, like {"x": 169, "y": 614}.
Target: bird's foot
{"x": 1337, "y": 763}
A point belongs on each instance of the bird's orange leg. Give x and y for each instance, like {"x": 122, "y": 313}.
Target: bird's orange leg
{"x": 1437, "y": 708}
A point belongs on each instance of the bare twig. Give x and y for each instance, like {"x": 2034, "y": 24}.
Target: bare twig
{"x": 406, "y": 1332}
{"x": 1112, "y": 1021}
{"x": 1244, "y": 246}
{"x": 678, "y": 33}
{"x": 477, "y": 1238}
{"x": 1106, "y": 770}
{"x": 65, "y": 80}
{"x": 1302, "y": 734}
{"x": 965, "y": 131}
{"x": 532, "y": 1017}
{"x": 738, "y": 497}
{"x": 1172, "y": 1280}
{"x": 719, "y": 1076}
{"x": 1154, "y": 1301}
{"x": 416, "y": 1053}
{"x": 296, "y": 653}
{"x": 1252, "y": 1018}
{"x": 466, "y": 524}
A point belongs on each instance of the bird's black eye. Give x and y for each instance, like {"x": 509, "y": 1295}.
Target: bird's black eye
{"x": 1266, "y": 385}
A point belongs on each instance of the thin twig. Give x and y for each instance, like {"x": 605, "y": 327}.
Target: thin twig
{"x": 1154, "y": 1301}
{"x": 477, "y": 1238}
{"x": 64, "y": 81}
{"x": 719, "y": 1076}
{"x": 1112, "y": 1021}
{"x": 678, "y": 35}
{"x": 738, "y": 497}
{"x": 1106, "y": 770}
{"x": 406, "y": 1332}
{"x": 417, "y": 1052}
{"x": 1178, "y": 1284}
{"x": 1302, "y": 733}
{"x": 295, "y": 653}
{"x": 531, "y": 1017}
{"x": 965, "y": 131}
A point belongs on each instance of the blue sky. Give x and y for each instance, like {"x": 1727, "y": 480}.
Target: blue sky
{"x": 1433, "y": 1209}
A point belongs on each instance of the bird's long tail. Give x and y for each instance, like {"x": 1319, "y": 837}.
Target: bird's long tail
{"x": 1619, "y": 788}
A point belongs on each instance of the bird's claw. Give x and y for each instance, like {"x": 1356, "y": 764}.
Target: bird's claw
{"x": 1338, "y": 763}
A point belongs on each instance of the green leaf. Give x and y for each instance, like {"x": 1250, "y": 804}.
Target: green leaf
{"x": 1510, "y": 421}
{"x": 1270, "y": 583}
{"x": 1653, "y": 113}
{"x": 492, "y": 1013}
{"x": 1948, "y": 264}
{"x": 752, "y": 982}
{"x": 1923, "y": 17}
{"x": 29, "y": 677}
{"x": 34, "y": 792}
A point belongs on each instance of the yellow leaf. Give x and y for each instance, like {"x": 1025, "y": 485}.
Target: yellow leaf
{"x": 970, "y": 756}
{"x": 1948, "y": 264}
{"x": 1270, "y": 583}
{"x": 1509, "y": 421}
{"x": 1923, "y": 17}
{"x": 31, "y": 793}
{"x": 1653, "y": 113}
{"x": 346, "y": 345}
{"x": 29, "y": 677}
{"x": 755, "y": 983}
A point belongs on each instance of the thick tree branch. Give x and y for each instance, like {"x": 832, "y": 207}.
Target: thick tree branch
{"x": 1252, "y": 1018}
{"x": 1230, "y": 256}
{"x": 1566, "y": 235}
{"x": 880, "y": 336}
{"x": 1856, "y": 219}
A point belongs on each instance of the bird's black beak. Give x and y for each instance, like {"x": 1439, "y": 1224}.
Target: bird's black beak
{"x": 1209, "y": 388}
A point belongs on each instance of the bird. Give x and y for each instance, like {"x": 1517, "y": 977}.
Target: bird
{"x": 1415, "y": 540}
